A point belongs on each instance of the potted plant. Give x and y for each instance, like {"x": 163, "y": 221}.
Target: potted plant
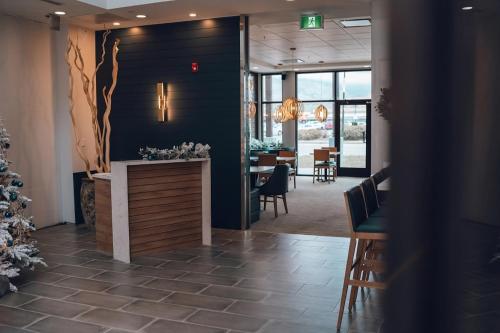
{"x": 101, "y": 125}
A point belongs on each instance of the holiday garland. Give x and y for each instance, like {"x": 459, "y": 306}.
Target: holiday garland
{"x": 17, "y": 249}
{"x": 185, "y": 151}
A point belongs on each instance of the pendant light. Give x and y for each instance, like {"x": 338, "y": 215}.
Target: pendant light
{"x": 293, "y": 108}
{"x": 321, "y": 113}
{"x": 280, "y": 115}
{"x": 252, "y": 110}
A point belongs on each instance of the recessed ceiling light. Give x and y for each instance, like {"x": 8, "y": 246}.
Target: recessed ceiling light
{"x": 60, "y": 13}
{"x": 367, "y": 66}
{"x": 290, "y": 0}
{"x": 255, "y": 67}
{"x": 192, "y": 14}
{"x": 141, "y": 16}
{"x": 356, "y": 23}
{"x": 467, "y": 8}
{"x": 116, "y": 24}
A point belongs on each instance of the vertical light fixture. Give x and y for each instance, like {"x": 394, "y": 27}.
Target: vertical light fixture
{"x": 162, "y": 102}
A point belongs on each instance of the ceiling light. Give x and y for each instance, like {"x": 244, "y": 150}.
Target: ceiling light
{"x": 192, "y": 15}
{"x": 116, "y": 24}
{"x": 467, "y": 8}
{"x": 141, "y": 16}
{"x": 356, "y": 23}
{"x": 60, "y": 13}
{"x": 255, "y": 67}
{"x": 290, "y": 0}
{"x": 367, "y": 66}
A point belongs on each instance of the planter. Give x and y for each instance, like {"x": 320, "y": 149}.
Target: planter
{"x": 4, "y": 285}
{"x": 87, "y": 202}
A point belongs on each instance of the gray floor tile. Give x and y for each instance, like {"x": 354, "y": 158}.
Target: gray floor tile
{"x": 99, "y": 300}
{"x": 209, "y": 279}
{"x": 108, "y": 265}
{"x": 115, "y": 319}
{"x": 77, "y": 271}
{"x": 282, "y": 327}
{"x": 188, "y": 267}
{"x": 122, "y": 278}
{"x": 56, "y": 308}
{"x": 84, "y": 284}
{"x": 226, "y": 320}
{"x": 200, "y": 301}
{"x": 16, "y": 299}
{"x": 46, "y": 290}
{"x": 138, "y": 292}
{"x": 165, "y": 326}
{"x": 271, "y": 285}
{"x": 9, "y": 329}
{"x": 16, "y": 317}
{"x": 56, "y": 325}
{"x": 175, "y": 285}
{"x": 235, "y": 293}
{"x": 260, "y": 310}
{"x": 160, "y": 310}
{"x": 156, "y": 272}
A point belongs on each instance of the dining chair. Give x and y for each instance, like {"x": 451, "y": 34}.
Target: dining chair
{"x": 276, "y": 187}
{"x": 377, "y": 178}
{"x": 322, "y": 162}
{"x": 266, "y": 160}
{"x": 362, "y": 258}
{"x": 293, "y": 164}
{"x": 335, "y": 158}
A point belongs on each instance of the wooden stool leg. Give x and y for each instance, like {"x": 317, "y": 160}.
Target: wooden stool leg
{"x": 275, "y": 199}
{"x": 347, "y": 276}
{"x": 284, "y": 203}
{"x": 360, "y": 253}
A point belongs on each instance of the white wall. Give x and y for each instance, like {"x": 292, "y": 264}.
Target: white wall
{"x": 288, "y": 133}
{"x": 33, "y": 91}
{"x": 380, "y": 79}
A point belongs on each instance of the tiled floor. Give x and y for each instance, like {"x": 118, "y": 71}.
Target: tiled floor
{"x": 246, "y": 282}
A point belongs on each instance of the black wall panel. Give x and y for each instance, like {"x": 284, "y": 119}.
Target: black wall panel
{"x": 203, "y": 107}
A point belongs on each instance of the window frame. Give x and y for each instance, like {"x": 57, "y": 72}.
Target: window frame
{"x": 262, "y": 103}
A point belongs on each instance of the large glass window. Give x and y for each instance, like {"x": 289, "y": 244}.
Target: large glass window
{"x": 314, "y": 89}
{"x": 271, "y": 96}
{"x": 354, "y": 85}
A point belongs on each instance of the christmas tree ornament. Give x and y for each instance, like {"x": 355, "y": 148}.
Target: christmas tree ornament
{"x": 18, "y": 251}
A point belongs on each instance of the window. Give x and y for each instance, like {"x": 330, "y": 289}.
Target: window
{"x": 314, "y": 89}
{"x": 354, "y": 85}
{"x": 271, "y": 97}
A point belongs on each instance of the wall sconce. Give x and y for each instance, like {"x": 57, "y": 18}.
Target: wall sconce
{"x": 162, "y": 102}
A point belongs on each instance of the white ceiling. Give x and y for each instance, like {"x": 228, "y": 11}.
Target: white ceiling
{"x": 274, "y": 24}
{"x": 334, "y": 46}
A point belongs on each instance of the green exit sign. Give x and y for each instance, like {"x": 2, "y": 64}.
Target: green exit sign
{"x": 311, "y": 22}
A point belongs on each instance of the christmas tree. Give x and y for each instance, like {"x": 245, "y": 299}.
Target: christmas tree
{"x": 17, "y": 250}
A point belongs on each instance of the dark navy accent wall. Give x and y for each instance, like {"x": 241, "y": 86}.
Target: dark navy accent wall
{"x": 203, "y": 107}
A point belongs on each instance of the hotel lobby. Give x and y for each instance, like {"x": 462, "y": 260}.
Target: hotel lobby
{"x": 268, "y": 166}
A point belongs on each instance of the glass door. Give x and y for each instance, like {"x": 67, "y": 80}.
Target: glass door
{"x": 353, "y": 136}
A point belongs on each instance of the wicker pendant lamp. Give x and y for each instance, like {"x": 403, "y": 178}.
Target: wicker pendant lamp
{"x": 280, "y": 115}
{"x": 252, "y": 110}
{"x": 321, "y": 113}
{"x": 294, "y": 108}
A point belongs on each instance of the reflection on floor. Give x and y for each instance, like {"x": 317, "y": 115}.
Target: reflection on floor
{"x": 314, "y": 209}
{"x": 246, "y": 282}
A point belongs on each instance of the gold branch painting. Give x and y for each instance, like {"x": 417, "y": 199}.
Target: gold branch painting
{"x": 101, "y": 127}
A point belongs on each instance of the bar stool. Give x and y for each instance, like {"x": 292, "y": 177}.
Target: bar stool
{"x": 362, "y": 255}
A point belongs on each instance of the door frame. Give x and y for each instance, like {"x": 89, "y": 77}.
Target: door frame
{"x": 354, "y": 172}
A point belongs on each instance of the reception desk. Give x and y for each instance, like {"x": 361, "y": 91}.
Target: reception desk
{"x": 146, "y": 207}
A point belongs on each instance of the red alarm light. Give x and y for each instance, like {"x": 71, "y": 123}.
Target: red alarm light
{"x": 194, "y": 67}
